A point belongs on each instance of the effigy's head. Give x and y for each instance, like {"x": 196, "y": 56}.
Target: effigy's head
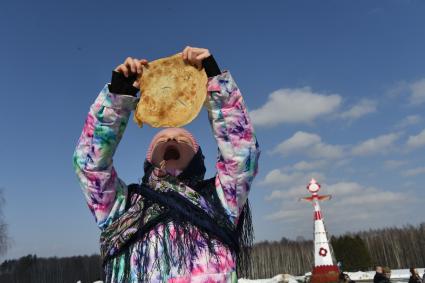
{"x": 172, "y": 149}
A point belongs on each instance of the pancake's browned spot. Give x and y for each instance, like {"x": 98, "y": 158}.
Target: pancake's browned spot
{"x": 161, "y": 113}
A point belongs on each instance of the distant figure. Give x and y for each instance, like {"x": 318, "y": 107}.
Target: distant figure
{"x": 345, "y": 278}
{"x": 414, "y": 277}
{"x": 379, "y": 275}
{"x": 387, "y": 275}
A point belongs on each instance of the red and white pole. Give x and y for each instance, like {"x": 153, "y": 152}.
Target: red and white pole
{"x": 325, "y": 271}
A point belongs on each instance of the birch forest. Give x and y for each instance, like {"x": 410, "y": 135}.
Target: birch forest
{"x": 394, "y": 247}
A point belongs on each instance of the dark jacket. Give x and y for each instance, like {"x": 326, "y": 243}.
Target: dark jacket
{"x": 415, "y": 279}
{"x": 380, "y": 278}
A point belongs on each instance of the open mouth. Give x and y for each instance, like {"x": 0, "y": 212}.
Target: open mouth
{"x": 171, "y": 153}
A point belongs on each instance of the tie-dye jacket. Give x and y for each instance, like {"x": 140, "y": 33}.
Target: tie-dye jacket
{"x": 106, "y": 193}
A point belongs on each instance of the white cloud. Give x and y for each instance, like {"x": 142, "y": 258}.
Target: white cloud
{"x": 300, "y": 105}
{"x": 364, "y": 107}
{"x": 277, "y": 177}
{"x": 414, "y": 172}
{"x": 416, "y": 141}
{"x": 308, "y": 143}
{"x": 288, "y": 186}
{"x": 312, "y": 146}
{"x": 408, "y": 121}
{"x": 417, "y": 89}
{"x": 380, "y": 144}
{"x": 344, "y": 188}
{"x": 353, "y": 207}
{"x": 308, "y": 165}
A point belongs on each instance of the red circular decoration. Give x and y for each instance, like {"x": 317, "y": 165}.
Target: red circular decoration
{"x": 323, "y": 252}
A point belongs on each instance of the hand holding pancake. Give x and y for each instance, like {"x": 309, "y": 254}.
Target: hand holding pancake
{"x": 132, "y": 67}
{"x": 195, "y": 55}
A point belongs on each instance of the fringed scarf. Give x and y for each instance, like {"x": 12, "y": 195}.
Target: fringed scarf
{"x": 185, "y": 201}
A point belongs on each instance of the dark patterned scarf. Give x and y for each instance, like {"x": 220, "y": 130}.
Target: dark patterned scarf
{"x": 185, "y": 201}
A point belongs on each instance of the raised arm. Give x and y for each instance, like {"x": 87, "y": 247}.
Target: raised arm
{"x": 238, "y": 149}
{"x": 107, "y": 119}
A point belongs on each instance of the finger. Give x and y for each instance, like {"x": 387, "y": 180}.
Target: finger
{"x": 136, "y": 84}
{"x": 132, "y": 65}
{"x": 128, "y": 61}
{"x": 199, "y": 65}
{"x": 143, "y": 62}
{"x": 138, "y": 66}
{"x": 185, "y": 52}
{"x": 200, "y": 50}
{"x": 190, "y": 56}
{"x": 123, "y": 70}
{"x": 201, "y": 56}
{"x": 117, "y": 69}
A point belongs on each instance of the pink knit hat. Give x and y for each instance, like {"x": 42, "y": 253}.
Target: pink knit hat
{"x": 155, "y": 139}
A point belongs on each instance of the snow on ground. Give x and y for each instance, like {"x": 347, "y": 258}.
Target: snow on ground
{"x": 396, "y": 274}
{"x": 277, "y": 279}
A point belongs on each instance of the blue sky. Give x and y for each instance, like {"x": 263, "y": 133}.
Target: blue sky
{"x": 336, "y": 90}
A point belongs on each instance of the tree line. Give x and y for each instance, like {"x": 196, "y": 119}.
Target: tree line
{"x": 31, "y": 269}
{"x": 394, "y": 247}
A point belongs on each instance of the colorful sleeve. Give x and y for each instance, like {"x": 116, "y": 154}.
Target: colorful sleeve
{"x": 105, "y": 124}
{"x": 238, "y": 149}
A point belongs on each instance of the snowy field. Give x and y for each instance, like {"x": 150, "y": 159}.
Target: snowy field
{"x": 397, "y": 275}
{"x": 278, "y": 278}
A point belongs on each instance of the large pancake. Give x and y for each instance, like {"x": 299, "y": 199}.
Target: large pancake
{"x": 172, "y": 93}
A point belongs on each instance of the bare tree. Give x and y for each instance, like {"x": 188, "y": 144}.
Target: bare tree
{"x": 4, "y": 238}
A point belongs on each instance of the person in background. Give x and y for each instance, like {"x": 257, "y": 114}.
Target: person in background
{"x": 379, "y": 275}
{"x": 345, "y": 278}
{"x": 387, "y": 275}
{"x": 414, "y": 277}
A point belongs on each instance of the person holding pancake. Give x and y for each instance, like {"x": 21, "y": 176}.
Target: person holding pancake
{"x": 174, "y": 226}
